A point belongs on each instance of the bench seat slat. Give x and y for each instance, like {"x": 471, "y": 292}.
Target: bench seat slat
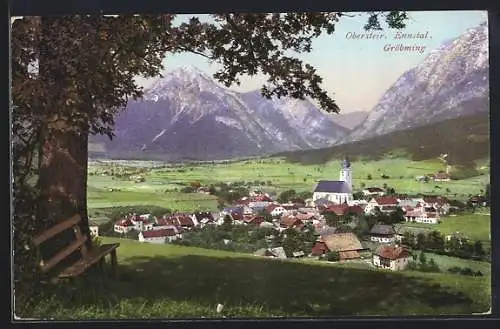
{"x": 44, "y": 236}
{"x": 63, "y": 254}
{"x": 93, "y": 257}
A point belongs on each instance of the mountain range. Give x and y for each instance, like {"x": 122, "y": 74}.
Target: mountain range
{"x": 187, "y": 115}
{"x": 451, "y": 81}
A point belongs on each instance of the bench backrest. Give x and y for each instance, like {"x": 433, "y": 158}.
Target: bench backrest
{"x": 79, "y": 243}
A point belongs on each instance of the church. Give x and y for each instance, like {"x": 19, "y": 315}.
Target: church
{"x": 338, "y": 191}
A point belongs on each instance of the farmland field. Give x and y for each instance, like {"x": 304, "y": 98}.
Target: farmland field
{"x": 167, "y": 281}
{"x": 474, "y": 226}
{"x": 162, "y": 184}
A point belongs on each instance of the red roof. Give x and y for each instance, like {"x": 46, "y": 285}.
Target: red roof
{"x": 441, "y": 175}
{"x": 338, "y": 209}
{"x": 254, "y": 220}
{"x": 271, "y": 207}
{"x": 183, "y": 220}
{"x": 358, "y": 210}
{"x": 126, "y": 223}
{"x": 435, "y": 200}
{"x": 391, "y": 252}
{"x": 319, "y": 248}
{"x": 386, "y": 200}
{"x": 236, "y": 216}
{"x": 158, "y": 233}
{"x": 307, "y": 216}
{"x": 164, "y": 221}
{"x": 290, "y": 221}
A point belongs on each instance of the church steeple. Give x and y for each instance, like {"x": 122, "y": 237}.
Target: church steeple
{"x": 346, "y": 172}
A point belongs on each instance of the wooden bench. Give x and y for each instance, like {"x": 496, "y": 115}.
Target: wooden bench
{"x": 89, "y": 256}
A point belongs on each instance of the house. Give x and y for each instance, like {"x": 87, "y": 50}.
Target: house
{"x": 298, "y": 254}
{"x": 290, "y": 206}
{"x": 277, "y": 252}
{"x": 408, "y": 204}
{"x": 276, "y": 210}
{"x": 319, "y": 249}
{"x": 441, "y": 204}
{"x": 291, "y": 222}
{"x": 264, "y": 252}
{"x": 382, "y": 233}
{"x": 253, "y": 220}
{"x": 346, "y": 244}
{"x": 204, "y": 218}
{"x": 94, "y": 230}
{"x": 478, "y": 200}
{"x": 164, "y": 221}
{"x": 360, "y": 203}
{"x": 336, "y": 191}
{"x": 124, "y": 226}
{"x": 306, "y": 217}
{"x": 159, "y": 236}
{"x": 441, "y": 177}
{"x": 373, "y": 191}
{"x": 422, "y": 215}
{"x": 384, "y": 203}
{"x": 185, "y": 221}
{"x": 322, "y": 203}
{"x": 344, "y": 209}
{"x": 395, "y": 258}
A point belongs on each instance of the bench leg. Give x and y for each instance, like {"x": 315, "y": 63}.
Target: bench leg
{"x": 100, "y": 265}
{"x": 114, "y": 263}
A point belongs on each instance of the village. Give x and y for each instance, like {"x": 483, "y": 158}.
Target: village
{"x": 336, "y": 224}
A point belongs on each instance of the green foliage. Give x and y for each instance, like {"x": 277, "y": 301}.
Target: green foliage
{"x": 227, "y": 224}
{"x": 286, "y": 196}
{"x": 464, "y": 271}
{"x": 332, "y": 256}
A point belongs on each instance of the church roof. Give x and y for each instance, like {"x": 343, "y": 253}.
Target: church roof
{"x": 329, "y": 186}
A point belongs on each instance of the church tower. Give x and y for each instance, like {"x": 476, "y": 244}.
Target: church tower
{"x": 346, "y": 173}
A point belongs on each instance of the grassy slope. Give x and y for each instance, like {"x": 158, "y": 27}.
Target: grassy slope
{"x": 174, "y": 281}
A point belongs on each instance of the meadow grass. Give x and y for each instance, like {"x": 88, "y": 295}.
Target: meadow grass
{"x": 445, "y": 262}
{"x": 168, "y": 281}
{"x": 171, "y": 200}
{"x": 161, "y": 183}
{"x": 474, "y": 226}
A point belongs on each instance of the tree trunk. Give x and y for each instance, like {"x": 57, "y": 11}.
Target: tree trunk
{"x": 62, "y": 179}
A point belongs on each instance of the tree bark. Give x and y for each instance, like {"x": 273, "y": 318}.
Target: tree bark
{"x": 62, "y": 179}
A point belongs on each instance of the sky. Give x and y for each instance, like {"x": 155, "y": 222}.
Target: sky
{"x": 357, "y": 72}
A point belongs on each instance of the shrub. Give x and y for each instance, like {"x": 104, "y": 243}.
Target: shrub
{"x": 332, "y": 256}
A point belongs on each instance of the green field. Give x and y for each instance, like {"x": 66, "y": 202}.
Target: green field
{"x": 160, "y": 184}
{"x": 475, "y": 226}
{"x": 167, "y": 281}
{"x": 445, "y": 262}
